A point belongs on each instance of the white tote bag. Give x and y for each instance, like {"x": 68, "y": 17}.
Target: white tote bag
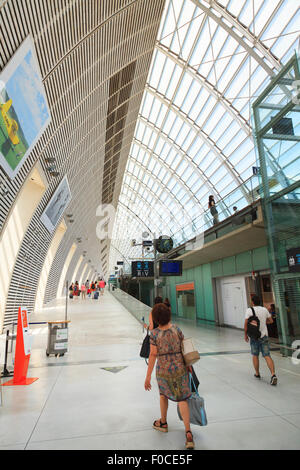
{"x": 189, "y": 352}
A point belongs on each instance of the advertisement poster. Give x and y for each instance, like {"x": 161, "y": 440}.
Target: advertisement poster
{"x": 24, "y": 111}
{"x": 57, "y": 205}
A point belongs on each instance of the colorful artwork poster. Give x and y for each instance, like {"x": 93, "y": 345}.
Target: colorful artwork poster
{"x": 24, "y": 111}
{"x": 57, "y": 205}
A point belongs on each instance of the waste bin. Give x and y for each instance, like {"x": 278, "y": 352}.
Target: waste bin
{"x": 57, "y": 338}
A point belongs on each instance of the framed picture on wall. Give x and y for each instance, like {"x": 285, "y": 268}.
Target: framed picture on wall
{"x": 24, "y": 111}
{"x": 57, "y": 205}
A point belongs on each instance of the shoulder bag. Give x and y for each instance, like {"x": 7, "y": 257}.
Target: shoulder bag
{"x": 145, "y": 349}
{"x": 189, "y": 352}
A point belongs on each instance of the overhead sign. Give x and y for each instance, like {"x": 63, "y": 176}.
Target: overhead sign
{"x": 142, "y": 269}
{"x": 120, "y": 263}
{"x": 147, "y": 243}
{"x": 293, "y": 257}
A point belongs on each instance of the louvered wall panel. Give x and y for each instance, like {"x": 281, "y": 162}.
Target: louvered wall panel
{"x": 80, "y": 45}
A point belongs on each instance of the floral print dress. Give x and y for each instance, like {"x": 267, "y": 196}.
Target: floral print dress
{"x": 171, "y": 372}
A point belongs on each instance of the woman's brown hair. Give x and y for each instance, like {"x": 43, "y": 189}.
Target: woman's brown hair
{"x": 161, "y": 314}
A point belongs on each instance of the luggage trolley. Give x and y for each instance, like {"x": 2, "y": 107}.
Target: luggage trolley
{"x": 57, "y": 338}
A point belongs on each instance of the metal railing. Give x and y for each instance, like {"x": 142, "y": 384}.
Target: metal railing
{"x": 205, "y": 220}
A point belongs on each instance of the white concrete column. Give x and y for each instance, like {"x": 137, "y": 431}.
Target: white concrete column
{"x": 60, "y": 231}
{"x": 15, "y": 228}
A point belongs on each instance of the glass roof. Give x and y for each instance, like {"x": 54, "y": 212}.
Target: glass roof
{"x": 193, "y": 135}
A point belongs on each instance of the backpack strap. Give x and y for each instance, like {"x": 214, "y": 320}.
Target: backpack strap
{"x": 254, "y": 313}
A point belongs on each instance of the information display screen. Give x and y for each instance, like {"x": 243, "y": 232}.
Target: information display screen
{"x": 170, "y": 268}
{"x": 142, "y": 269}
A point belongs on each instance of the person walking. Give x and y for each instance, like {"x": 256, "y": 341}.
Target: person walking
{"x": 262, "y": 343}
{"x": 213, "y": 209}
{"x": 171, "y": 372}
{"x": 76, "y": 289}
{"x": 102, "y": 286}
{"x": 93, "y": 287}
{"x": 71, "y": 291}
{"x": 83, "y": 290}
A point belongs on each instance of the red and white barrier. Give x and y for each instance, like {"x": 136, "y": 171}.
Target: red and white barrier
{"x": 23, "y": 349}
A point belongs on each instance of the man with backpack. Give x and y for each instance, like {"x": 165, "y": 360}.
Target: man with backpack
{"x": 256, "y": 320}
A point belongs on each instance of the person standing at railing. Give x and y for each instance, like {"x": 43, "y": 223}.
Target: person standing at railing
{"x": 213, "y": 209}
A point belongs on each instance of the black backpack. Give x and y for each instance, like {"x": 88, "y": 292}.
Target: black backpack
{"x": 253, "y": 326}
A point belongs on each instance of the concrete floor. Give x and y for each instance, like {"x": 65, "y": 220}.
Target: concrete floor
{"x": 77, "y": 404}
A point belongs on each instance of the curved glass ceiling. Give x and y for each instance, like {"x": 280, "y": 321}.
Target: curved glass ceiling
{"x": 193, "y": 135}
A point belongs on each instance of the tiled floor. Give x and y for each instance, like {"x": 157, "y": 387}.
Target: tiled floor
{"x": 77, "y": 404}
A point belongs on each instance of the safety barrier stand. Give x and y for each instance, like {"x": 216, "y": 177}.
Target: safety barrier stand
{"x": 23, "y": 350}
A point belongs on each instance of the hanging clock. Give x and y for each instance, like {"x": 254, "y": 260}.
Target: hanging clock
{"x": 164, "y": 244}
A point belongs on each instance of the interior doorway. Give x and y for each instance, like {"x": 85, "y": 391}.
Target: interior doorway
{"x": 233, "y": 301}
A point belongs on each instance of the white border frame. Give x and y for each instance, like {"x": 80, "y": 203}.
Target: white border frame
{"x": 44, "y": 218}
{"x": 17, "y": 58}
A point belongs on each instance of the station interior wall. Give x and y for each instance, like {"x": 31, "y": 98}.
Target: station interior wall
{"x": 203, "y": 277}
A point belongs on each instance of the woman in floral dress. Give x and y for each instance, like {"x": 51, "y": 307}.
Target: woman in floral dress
{"x": 171, "y": 372}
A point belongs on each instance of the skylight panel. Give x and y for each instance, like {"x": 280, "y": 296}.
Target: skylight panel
{"x": 235, "y": 62}
{"x": 221, "y": 126}
{"x": 159, "y": 145}
{"x": 173, "y": 82}
{"x": 191, "y": 96}
{"x": 246, "y": 15}
{"x": 194, "y": 28}
{"x": 212, "y": 167}
{"x": 158, "y": 66}
{"x": 201, "y": 154}
{"x": 199, "y": 103}
{"x": 287, "y": 10}
{"x": 234, "y": 6}
{"x": 140, "y": 131}
{"x": 194, "y": 148}
{"x": 166, "y": 76}
{"x": 175, "y": 128}
{"x": 204, "y": 113}
{"x": 181, "y": 168}
{"x": 239, "y": 80}
{"x": 263, "y": 10}
{"x": 214, "y": 119}
{"x": 153, "y": 115}
{"x": 225, "y": 185}
{"x": 147, "y": 103}
{"x": 188, "y": 140}
{"x": 218, "y": 41}
{"x": 182, "y": 134}
{"x": 169, "y": 122}
{"x": 243, "y": 149}
{"x": 280, "y": 48}
{"x": 201, "y": 46}
{"x": 183, "y": 89}
{"x": 234, "y": 142}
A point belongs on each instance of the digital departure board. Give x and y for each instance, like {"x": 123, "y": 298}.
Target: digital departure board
{"x": 170, "y": 268}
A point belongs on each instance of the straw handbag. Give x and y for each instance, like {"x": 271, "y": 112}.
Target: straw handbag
{"x": 189, "y": 352}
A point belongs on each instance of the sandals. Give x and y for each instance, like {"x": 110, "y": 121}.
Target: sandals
{"x": 189, "y": 444}
{"x": 160, "y": 427}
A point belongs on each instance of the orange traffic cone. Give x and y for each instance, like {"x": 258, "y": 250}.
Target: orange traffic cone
{"x": 22, "y": 354}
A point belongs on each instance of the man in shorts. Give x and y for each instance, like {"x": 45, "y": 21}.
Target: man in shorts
{"x": 261, "y": 344}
